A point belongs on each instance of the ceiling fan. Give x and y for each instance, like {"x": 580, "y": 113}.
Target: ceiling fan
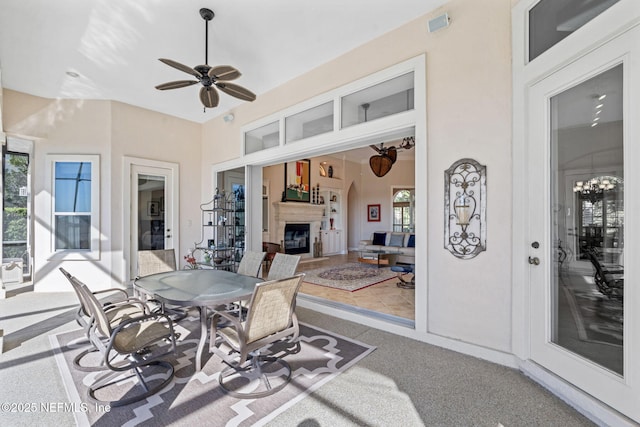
{"x": 210, "y": 77}
{"x": 381, "y": 163}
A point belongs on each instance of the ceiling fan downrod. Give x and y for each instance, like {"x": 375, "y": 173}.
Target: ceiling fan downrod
{"x": 207, "y": 15}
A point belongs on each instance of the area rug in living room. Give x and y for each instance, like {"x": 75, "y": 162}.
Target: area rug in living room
{"x": 348, "y": 277}
{"x": 195, "y": 398}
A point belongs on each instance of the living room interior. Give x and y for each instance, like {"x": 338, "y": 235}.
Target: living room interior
{"x": 353, "y": 185}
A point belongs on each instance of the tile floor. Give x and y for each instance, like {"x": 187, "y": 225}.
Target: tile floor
{"x": 383, "y": 297}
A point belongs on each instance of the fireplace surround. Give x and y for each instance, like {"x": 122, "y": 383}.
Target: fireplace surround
{"x": 296, "y": 214}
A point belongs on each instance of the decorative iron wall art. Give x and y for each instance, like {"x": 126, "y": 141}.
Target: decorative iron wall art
{"x": 465, "y": 208}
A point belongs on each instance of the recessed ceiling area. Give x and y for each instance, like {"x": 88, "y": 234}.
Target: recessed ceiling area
{"x": 109, "y": 49}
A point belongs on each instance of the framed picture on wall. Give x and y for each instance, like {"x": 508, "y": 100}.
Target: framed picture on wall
{"x": 297, "y": 181}
{"x": 373, "y": 213}
{"x": 153, "y": 208}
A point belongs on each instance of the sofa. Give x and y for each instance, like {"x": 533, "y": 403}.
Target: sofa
{"x": 393, "y": 241}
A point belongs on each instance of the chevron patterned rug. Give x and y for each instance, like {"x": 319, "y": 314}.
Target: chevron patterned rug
{"x": 196, "y": 398}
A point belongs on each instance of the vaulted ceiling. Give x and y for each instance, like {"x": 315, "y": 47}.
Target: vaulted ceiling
{"x": 113, "y": 46}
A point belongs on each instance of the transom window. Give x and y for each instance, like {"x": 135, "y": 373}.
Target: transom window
{"x": 550, "y": 21}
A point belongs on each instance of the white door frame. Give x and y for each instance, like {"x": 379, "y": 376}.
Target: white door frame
{"x": 621, "y": 393}
{"x": 129, "y": 220}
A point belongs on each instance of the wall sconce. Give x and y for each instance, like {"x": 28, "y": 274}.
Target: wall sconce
{"x": 465, "y": 207}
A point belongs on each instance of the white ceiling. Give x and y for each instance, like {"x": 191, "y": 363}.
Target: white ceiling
{"x": 114, "y": 45}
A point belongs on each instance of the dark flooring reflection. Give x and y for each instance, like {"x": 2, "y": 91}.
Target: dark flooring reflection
{"x": 589, "y": 323}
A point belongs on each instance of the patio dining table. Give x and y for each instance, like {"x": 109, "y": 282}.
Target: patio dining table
{"x": 202, "y": 289}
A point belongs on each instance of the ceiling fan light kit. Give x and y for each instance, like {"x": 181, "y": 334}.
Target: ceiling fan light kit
{"x": 211, "y": 78}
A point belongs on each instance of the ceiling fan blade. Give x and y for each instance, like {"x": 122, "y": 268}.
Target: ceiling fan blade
{"x": 209, "y": 96}
{"x": 177, "y": 84}
{"x": 236, "y": 91}
{"x": 224, "y": 72}
{"x": 181, "y": 67}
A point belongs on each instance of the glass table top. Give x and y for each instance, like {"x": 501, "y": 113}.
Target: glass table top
{"x": 198, "y": 287}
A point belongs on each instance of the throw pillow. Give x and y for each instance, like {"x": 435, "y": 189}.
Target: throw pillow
{"x": 379, "y": 238}
{"x": 412, "y": 241}
{"x": 396, "y": 240}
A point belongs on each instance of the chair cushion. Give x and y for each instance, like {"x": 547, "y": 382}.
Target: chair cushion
{"x": 379, "y": 238}
{"x": 397, "y": 239}
{"x": 412, "y": 241}
{"x": 140, "y": 335}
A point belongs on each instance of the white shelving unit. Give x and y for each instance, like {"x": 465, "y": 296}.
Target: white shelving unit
{"x": 331, "y": 227}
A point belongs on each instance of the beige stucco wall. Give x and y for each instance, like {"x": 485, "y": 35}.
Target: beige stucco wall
{"x": 141, "y": 133}
{"x": 468, "y": 115}
{"x": 111, "y": 130}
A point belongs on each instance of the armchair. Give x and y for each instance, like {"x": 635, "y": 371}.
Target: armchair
{"x": 609, "y": 279}
{"x": 271, "y": 319}
{"x": 117, "y": 309}
{"x": 156, "y": 261}
{"x": 250, "y": 263}
{"x": 282, "y": 266}
{"x": 159, "y": 261}
{"x": 136, "y": 345}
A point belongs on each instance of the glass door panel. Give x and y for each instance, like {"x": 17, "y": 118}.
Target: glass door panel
{"x": 587, "y": 219}
{"x": 151, "y": 212}
{"x": 16, "y": 232}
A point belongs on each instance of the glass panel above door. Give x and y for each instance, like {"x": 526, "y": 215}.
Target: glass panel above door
{"x": 381, "y": 100}
{"x": 264, "y": 137}
{"x": 587, "y": 217}
{"x": 314, "y": 121}
{"x": 551, "y": 21}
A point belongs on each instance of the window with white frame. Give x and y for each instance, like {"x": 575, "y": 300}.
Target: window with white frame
{"x": 75, "y": 205}
{"x": 403, "y": 210}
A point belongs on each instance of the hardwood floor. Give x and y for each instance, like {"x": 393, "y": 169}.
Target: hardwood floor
{"x": 383, "y": 297}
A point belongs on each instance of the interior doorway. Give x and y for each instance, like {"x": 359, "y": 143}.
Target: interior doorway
{"x": 345, "y": 195}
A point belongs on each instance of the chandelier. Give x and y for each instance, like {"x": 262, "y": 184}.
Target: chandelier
{"x": 595, "y": 188}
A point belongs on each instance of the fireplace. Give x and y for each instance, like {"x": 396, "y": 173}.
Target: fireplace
{"x": 296, "y": 238}
{"x": 287, "y": 214}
